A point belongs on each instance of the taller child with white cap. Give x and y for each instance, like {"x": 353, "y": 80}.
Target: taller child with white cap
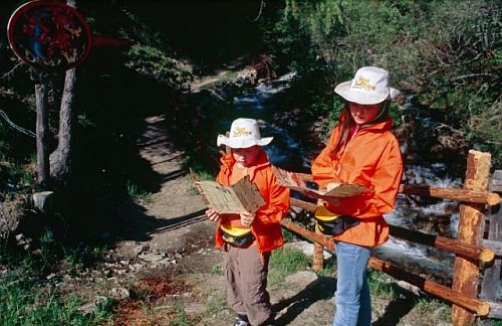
{"x": 248, "y": 238}
{"x": 361, "y": 150}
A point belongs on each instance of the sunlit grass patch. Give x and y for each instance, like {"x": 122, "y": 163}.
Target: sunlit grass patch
{"x": 286, "y": 261}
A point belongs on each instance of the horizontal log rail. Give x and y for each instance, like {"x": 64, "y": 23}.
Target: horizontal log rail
{"x": 303, "y": 204}
{"x": 321, "y": 239}
{"x": 463, "y": 195}
{"x": 482, "y": 254}
{"x": 481, "y": 308}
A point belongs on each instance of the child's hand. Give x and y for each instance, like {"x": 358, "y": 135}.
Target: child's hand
{"x": 247, "y": 218}
{"x": 212, "y": 215}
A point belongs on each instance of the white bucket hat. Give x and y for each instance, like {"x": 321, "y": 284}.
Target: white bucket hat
{"x": 244, "y": 133}
{"x": 369, "y": 86}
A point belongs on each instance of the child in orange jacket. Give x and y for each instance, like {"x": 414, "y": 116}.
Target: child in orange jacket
{"x": 248, "y": 238}
{"x": 361, "y": 150}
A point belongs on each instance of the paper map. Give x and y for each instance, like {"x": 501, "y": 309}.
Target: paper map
{"x": 242, "y": 197}
{"x": 295, "y": 182}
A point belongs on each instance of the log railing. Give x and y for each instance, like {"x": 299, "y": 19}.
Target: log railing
{"x": 469, "y": 251}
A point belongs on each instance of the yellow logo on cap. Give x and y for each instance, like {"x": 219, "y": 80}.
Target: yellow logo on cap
{"x": 241, "y": 131}
{"x": 364, "y": 83}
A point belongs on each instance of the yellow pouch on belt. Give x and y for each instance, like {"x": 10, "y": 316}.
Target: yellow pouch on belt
{"x": 331, "y": 223}
{"x": 324, "y": 214}
{"x": 235, "y": 236}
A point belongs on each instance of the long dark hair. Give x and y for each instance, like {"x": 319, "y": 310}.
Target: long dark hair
{"x": 347, "y": 124}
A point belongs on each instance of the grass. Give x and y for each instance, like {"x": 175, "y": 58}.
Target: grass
{"x": 427, "y": 305}
{"x": 180, "y": 319}
{"x": 137, "y": 194}
{"x": 379, "y": 285}
{"x": 31, "y": 297}
{"x": 286, "y": 261}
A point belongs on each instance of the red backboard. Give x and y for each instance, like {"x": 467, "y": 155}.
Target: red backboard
{"x": 49, "y": 35}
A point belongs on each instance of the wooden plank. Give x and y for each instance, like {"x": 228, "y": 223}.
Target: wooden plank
{"x": 491, "y": 275}
{"x": 496, "y": 246}
{"x": 466, "y": 272}
{"x": 495, "y": 310}
{"x": 496, "y": 184}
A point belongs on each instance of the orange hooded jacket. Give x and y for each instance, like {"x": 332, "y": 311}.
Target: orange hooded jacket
{"x": 266, "y": 227}
{"x": 372, "y": 158}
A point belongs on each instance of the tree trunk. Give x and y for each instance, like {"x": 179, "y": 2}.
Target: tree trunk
{"x": 61, "y": 157}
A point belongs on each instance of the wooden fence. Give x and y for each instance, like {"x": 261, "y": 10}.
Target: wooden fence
{"x": 477, "y": 263}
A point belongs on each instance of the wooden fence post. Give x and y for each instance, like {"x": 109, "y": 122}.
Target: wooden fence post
{"x": 42, "y": 132}
{"x": 466, "y": 273}
{"x": 318, "y": 256}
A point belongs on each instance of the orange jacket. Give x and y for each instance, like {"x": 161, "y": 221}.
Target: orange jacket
{"x": 371, "y": 158}
{"x": 266, "y": 227}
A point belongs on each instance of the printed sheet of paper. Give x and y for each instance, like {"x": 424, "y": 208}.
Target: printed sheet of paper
{"x": 242, "y": 197}
{"x": 295, "y": 182}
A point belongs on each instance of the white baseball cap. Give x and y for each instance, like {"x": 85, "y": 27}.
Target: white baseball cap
{"x": 244, "y": 133}
{"x": 369, "y": 86}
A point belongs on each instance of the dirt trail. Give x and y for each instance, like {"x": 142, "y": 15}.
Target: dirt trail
{"x": 175, "y": 213}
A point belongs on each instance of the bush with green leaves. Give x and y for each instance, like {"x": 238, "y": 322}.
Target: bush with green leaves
{"x": 444, "y": 54}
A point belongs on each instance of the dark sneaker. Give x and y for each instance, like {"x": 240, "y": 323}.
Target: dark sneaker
{"x": 241, "y": 321}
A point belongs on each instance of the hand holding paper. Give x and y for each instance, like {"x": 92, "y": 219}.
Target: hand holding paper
{"x": 294, "y": 181}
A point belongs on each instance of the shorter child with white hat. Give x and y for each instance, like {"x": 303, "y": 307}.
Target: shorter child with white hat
{"x": 248, "y": 238}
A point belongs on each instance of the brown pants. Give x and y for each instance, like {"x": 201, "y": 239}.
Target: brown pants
{"x": 246, "y": 272}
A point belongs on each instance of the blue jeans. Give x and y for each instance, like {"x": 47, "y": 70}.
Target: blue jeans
{"x": 352, "y": 295}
